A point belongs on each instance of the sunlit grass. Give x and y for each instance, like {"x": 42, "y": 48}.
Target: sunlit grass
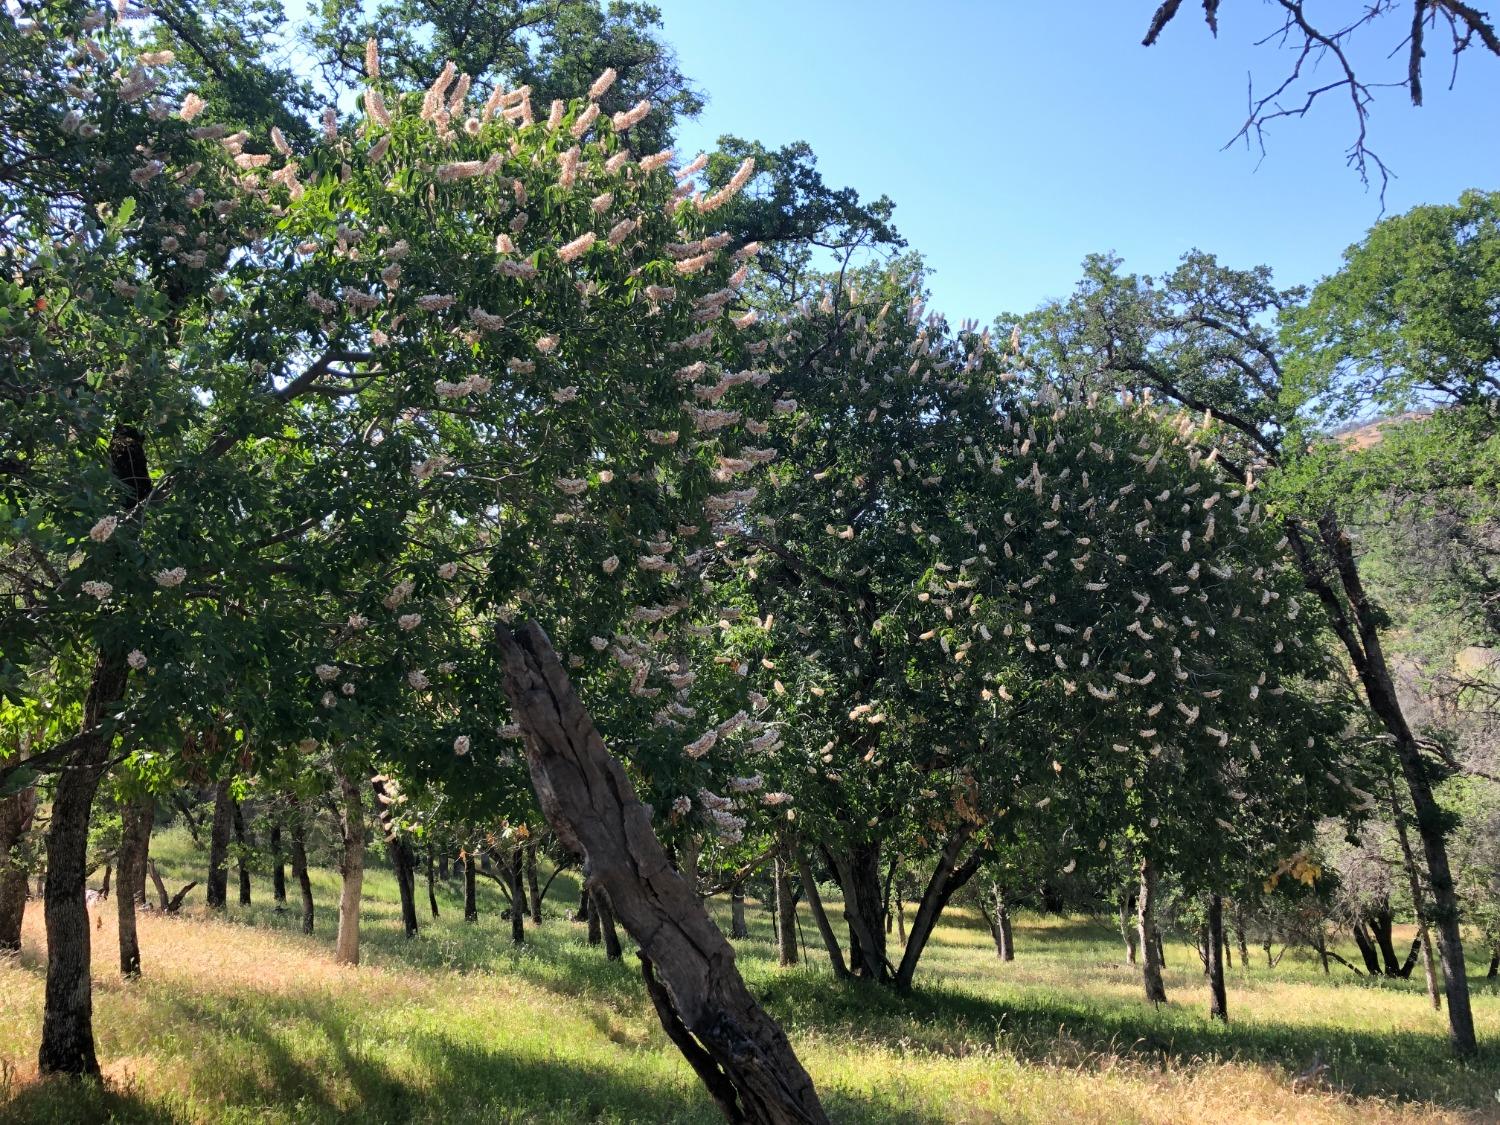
{"x": 244, "y": 1019}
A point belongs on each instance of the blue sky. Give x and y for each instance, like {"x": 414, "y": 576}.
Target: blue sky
{"x": 1016, "y": 138}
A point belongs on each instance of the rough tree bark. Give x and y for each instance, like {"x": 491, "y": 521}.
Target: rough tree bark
{"x": 740, "y": 1054}
{"x": 1145, "y": 907}
{"x": 998, "y": 918}
{"x": 67, "y": 1045}
{"x": 16, "y": 813}
{"x": 218, "y": 847}
{"x": 1218, "y": 1004}
{"x": 1414, "y": 884}
{"x": 432, "y": 903}
{"x": 786, "y": 914}
{"x": 352, "y": 868}
{"x": 299, "y": 870}
{"x": 136, "y": 817}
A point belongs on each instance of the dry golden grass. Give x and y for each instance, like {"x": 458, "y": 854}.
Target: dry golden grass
{"x": 243, "y": 1019}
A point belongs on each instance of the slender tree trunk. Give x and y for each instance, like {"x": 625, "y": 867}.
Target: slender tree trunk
{"x": 299, "y": 871}
{"x": 606, "y": 919}
{"x": 1228, "y": 960}
{"x": 1322, "y": 948}
{"x": 16, "y": 813}
{"x": 739, "y": 1053}
{"x": 820, "y": 916}
{"x": 596, "y": 933}
{"x": 242, "y": 863}
{"x": 737, "y": 927}
{"x": 1414, "y": 884}
{"x": 399, "y": 852}
{"x": 1239, "y": 935}
{"x": 1218, "y": 1005}
{"x": 67, "y": 1045}
{"x": 582, "y": 913}
{"x": 533, "y": 890}
{"x": 1357, "y": 623}
{"x": 517, "y": 896}
{"x": 443, "y": 865}
{"x": 1127, "y": 929}
{"x": 786, "y": 914}
{"x": 136, "y": 817}
{"x": 352, "y": 868}
{"x": 278, "y": 868}
{"x": 218, "y": 847}
{"x": 1007, "y": 939}
{"x": 432, "y": 902}
{"x": 1494, "y": 963}
{"x": 1156, "y": 991}
{"x": 471, "y": 904}
{"x": 1381, "y": 921}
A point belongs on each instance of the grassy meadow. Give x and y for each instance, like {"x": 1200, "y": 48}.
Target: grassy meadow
{"x": 243, "y": 1019}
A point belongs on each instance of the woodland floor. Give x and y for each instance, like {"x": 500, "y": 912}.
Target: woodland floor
{"x": 243, "y": 1019}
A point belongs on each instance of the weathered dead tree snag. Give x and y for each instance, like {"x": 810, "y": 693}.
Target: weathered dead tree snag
{"x": 742, "y": 1056}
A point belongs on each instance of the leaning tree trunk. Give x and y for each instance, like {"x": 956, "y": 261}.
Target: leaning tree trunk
{"x": 740, "y": 1054}
{"x": 1414, "y": 883}
{"x": 1156, "y": 991}
{"x": 604, "y": 915}
{"x": 1357, "y": 622}
{"x": 218, "y": 847}
{"x": 820, "y": 916}
{"x": 432, "y": 903}
{"x": 352, "y": 868}
{"x": 16, "y": 813}
{"x": 786, "y": 914}
{"x": 533, "y": 889}
{"x": 136, "y": 817}
{"x": 68, "y": 1011}
{"x": 299, "y": 871}
{"x": 948, "y": 877}
{"x": 1218, "y": 1005}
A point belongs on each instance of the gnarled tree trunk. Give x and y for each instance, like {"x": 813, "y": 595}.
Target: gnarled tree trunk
{"x": 352, "y": 868}
{"x": 736, "y": 1049}
{"x": 858, "y": 870}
